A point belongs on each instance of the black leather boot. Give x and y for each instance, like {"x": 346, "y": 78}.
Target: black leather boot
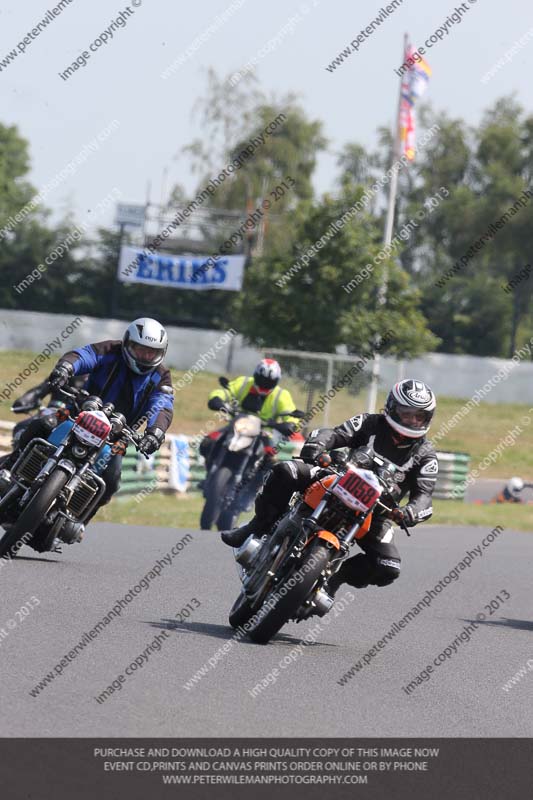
{"x": 259, "y": 525}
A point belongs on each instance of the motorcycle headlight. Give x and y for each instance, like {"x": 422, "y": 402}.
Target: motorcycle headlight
{"x": 79, "y": 451}
{"x": 247, "y": 426}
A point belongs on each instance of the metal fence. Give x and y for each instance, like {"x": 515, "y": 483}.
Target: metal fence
{"x": 324, "y": 385}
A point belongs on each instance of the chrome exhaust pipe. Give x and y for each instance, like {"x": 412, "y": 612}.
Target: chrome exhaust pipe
{"x": 322, "y": 602}
{"x": 247, "y": 551}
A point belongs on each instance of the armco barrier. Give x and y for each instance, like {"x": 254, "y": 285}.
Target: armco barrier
{"x": 136, "y": 476}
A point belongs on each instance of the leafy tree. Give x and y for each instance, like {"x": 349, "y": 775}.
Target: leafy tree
{"x": 27, "y": 242}
{"x": 311, "y": 310}
{"x": 15, "y": 191}
{"x": 485, "y": 169}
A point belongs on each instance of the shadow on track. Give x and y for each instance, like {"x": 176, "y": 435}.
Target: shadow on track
{"x": 227, "y": 633}
{"x": 505, "y": 622}
{"x": 40, "y": 560}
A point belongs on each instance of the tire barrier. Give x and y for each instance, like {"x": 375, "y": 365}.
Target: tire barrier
{"x": 453, "y": 472}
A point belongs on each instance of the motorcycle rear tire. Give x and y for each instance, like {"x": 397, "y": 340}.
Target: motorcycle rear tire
{"x": 228, "y": 518}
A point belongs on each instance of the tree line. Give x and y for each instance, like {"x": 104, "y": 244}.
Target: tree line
{"x": 458, "y": 281}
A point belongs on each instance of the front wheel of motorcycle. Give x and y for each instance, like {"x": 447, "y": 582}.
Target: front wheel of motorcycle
{"x": 240, "y": 504}
{"x": 214, "y": 493}
{"x": 241, "y": 611}
{"x": 32, "y": 515}
{"x": 283, "y": 602}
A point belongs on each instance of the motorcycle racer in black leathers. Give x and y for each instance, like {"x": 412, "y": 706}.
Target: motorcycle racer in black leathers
{"x": 398, "y": 434}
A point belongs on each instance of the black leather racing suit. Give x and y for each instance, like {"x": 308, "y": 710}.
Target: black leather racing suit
{"x": 379, "y": 565}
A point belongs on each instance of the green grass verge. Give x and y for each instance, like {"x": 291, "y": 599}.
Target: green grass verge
{"x": 183, "y": 511}
{"x": 508, "y": 515}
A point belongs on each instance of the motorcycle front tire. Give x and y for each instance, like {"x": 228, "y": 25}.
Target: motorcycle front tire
{"x": 32, "y": 515}
{"x": 214, "y": 493}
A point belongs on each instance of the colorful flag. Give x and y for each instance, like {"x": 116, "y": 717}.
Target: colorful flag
{"x": 414, "y": 84}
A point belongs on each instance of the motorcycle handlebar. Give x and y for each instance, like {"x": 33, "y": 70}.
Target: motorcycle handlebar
{"x": 24, "y": 409}
{"x": 234, "y": 410}
{"x": 395, "y": 505}
{"x": 72, "y": 393}
{"x": 133, "y": 435}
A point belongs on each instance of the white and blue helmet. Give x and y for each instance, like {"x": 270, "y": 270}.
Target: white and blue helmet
{"x": 144, "y": 333}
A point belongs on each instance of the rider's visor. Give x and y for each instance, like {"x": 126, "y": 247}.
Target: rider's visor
{"x": 263, "y": 384}
{"x": 413, "y": 418}
{"x": 142, "y": 353}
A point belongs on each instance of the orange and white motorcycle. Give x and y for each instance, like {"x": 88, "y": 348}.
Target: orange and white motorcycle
{"x": 285, "y": 574}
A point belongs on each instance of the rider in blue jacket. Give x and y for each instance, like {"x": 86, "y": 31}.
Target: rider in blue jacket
{"x": 131, "y": 375}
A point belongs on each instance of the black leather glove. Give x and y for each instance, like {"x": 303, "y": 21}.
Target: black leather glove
{"x": 311, "y": 451}
{"x": 285, "y": 428}
{"x": 31, "y": 399}
{"x": 24, "y": 404}
{"x": 60, "y": 375}
{"x": 149, "y": 444}
{"x": 215, "y": 403}
{"x": 404, "y": 515}
{"x": 151, "y": 441}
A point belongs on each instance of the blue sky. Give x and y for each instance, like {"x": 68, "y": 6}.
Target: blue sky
{"x": 122, "y": 79}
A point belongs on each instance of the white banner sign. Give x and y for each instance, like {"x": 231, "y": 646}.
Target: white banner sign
{"x": 180, "y": 272}
{"x": 179, "y": 470}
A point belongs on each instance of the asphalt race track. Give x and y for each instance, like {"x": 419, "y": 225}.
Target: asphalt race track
{"x": 463, "y": 696}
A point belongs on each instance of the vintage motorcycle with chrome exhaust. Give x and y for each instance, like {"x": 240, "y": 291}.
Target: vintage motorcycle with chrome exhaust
{"x": 285, "y": 574}
{"x": 55, "y": 483}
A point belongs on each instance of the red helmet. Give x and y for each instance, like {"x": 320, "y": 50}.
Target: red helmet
{"x": 267, "y": 375}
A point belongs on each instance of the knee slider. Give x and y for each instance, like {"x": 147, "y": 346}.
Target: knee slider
{"x": 49, "y": 423}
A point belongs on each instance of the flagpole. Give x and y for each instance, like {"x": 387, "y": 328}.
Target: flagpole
{"x": 387, "y": 239}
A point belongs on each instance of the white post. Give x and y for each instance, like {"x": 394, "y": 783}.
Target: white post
{"x": 329, "y": 385}
{"x": 387, "y": 239}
